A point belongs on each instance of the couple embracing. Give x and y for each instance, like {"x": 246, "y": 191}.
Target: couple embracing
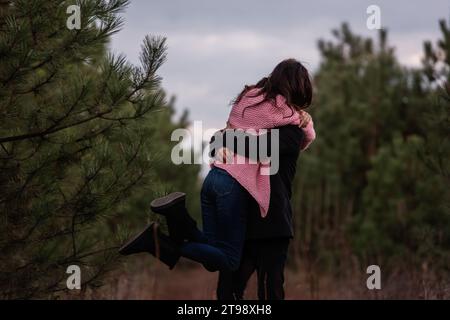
{"x": 246, "y": 212}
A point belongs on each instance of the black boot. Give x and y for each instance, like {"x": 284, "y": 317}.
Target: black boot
{"x": 180, "y": 224}
{"x": 151, "y": 240}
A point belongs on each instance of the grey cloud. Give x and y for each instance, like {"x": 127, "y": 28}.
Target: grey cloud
{"x": 215, "y": 47}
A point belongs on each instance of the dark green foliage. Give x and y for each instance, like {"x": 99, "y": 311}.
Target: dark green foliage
{"x": 374, "y": 185}
{"x": 83, "y": 140}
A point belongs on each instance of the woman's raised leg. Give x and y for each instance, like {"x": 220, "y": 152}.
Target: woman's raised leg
{"x": 224, "y": 223}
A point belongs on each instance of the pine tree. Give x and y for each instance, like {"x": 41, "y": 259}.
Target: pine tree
{"x": 363, "y": 190}
{"x": 406, "y": 202}
{"x": 360, "y": 89}
{"x": 435, "y": 153}
{"x": 78, "y": 140}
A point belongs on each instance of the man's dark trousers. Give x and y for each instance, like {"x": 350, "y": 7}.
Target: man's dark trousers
{"x": 265, "y": 256}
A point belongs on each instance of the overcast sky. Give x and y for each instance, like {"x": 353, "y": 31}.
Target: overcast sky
{"x": 215, "y": 47}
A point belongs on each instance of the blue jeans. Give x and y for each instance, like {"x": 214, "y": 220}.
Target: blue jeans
{"x": 224, "y": 212}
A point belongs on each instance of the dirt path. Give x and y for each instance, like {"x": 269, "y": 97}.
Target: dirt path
{"x": 145, "y": 279}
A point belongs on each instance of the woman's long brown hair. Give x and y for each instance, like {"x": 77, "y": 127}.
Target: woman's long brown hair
{"x": 289, "y": 79}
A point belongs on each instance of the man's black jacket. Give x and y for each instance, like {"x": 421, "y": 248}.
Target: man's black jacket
{"x": 278, "y": 222}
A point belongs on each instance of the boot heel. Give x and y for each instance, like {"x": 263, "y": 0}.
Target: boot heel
{"x": 151, "y": 240}
{"x": 161, "y": 204}
{"x": 181, "y": 225}
{"x": 140, "y": 242}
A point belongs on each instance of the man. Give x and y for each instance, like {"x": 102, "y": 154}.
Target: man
{"x": 268, "y": 238}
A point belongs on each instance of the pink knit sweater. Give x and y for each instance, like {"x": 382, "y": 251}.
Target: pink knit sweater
{"x": 265, "y": 115}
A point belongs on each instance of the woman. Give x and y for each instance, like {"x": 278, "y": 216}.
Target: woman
{"x": 277, "y": 100}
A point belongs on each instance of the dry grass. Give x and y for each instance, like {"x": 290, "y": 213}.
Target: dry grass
{"x": 142, "y": 278}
